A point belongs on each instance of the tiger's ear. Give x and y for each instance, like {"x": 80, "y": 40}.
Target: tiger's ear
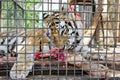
{"x": 45, "y": 16}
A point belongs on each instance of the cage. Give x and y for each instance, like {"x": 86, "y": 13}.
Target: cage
{"x": 59, "y": 39}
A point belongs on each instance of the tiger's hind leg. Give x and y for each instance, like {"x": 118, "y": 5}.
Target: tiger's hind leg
{"x": 23, "y": 65}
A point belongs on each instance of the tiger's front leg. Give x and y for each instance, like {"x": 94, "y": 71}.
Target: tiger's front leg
{"x": 24, "y": 63}
{"x": 25, "y": 59}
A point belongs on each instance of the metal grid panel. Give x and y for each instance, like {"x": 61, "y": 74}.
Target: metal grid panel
{"x": 24, "y": 35}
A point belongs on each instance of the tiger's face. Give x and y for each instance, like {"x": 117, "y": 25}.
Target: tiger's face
{"x": 55, "y": 23}
{"x": 58, "y": 22}
{"x": 64, "y": 29}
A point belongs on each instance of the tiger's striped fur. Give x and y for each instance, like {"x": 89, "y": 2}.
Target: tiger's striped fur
{"x": 63, "y": 31}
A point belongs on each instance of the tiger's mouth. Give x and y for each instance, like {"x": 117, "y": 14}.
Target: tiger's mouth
{"x": 60, "y": 41}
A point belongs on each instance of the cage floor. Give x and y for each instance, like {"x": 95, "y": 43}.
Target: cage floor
{"x": 54, "y": 77}
{"x": 54, "y": 70}
{"x": 51, "y": 77}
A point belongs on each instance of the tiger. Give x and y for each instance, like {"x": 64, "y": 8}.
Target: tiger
{"x": 63, "y": 31}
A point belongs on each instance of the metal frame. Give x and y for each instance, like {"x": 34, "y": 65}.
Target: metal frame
{"x": 71, "y": 72}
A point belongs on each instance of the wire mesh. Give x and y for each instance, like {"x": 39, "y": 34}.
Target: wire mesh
{"x": 60, "y": 39}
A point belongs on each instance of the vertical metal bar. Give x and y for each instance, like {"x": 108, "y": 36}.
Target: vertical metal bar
{"x": 117, "y": 31}
{"x": 15, "y": 16}
{"x": 23, "y": 17}
{"x": 0, "y": 13}
{"x": 7, "y": 37}
{"x": 16, "y": 31}
{"x": 119, "y": 21}
{"x": 115, "y": 23}
{"x": 34, "y": 45}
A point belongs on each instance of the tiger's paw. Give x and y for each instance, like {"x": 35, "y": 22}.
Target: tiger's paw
{"x": 21, "y": 68}
{"x": 20, "y": 71}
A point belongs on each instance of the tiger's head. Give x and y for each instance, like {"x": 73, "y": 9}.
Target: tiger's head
{"x": 59, "y": 25}
{"x": 55, "y": 23}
